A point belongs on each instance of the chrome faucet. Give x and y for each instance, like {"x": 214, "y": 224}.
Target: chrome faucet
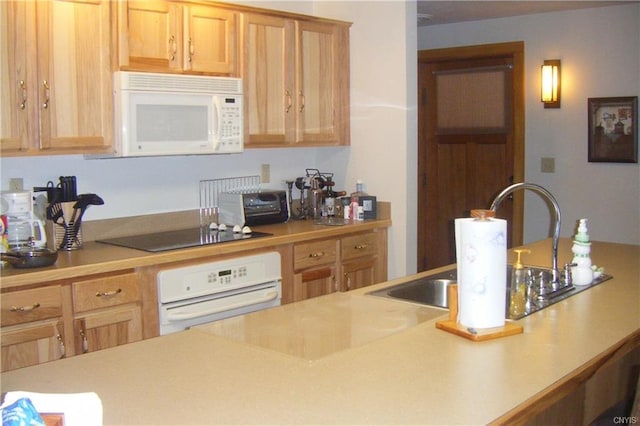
{"x": 555, "y": 279}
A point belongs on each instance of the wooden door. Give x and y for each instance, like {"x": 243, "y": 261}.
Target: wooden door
{"x": 209, "y": 43}
{"x": 359, "y": 273}
{"x": 471, "y": 113}
{"x": 314, "y": 282}
{"x": 74, "y": 75}
{"x": 316, "y": 82}
{"x": 151, "y": 32}
{"x": 32, "y": 343}
{"x": 15, "y": 83}
{"x": 108, "y": 328}
{"x": 267, "y": 71}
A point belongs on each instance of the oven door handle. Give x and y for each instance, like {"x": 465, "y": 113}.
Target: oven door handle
{"x": 175, "y": 316}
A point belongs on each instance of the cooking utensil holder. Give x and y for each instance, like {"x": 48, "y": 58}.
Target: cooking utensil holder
{"x": 64, "y": 235}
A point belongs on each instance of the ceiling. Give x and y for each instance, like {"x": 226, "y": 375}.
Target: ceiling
{"x": 446, "y": 12}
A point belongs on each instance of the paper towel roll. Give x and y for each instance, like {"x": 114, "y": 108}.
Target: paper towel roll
{"x": 481, "y": 253}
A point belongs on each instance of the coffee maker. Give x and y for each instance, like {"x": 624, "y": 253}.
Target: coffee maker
{"x": 24, "y": 229}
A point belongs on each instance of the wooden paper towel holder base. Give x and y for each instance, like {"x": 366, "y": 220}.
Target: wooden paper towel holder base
{"x": 451, "y": 325}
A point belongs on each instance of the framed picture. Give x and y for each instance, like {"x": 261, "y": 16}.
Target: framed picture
{"x": 613, "y": 129}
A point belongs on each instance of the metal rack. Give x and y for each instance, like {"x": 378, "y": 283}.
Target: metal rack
{"x": 211, "y": 188}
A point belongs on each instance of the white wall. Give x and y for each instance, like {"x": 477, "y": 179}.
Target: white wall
{"x": 600, "y": 53}
{"x": 382, "y": 151}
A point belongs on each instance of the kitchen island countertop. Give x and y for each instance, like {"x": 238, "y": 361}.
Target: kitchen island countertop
{"x": 414, "y": 374}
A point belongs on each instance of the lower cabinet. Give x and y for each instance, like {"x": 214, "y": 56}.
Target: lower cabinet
{"x": 339, "y": 264}
{"x": 32, "y": 327}
{"x": 107, "y": 328}
{"x": 32, "y": 343}
{"x": 361, "y": 264}
{"x": 314, "y": 265}
{"x": 107, "y": 312}
{"x": 70, "y": 318}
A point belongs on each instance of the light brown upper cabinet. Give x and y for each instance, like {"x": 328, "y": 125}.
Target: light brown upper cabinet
{"x": 55, "y": 77}
{"x": 166, "y": 36}
{"x": 296, "y": 81}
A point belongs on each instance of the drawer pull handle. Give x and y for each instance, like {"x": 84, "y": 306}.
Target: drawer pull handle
{"x": 319, "y": 254}
{"x": 61, "y": 343}
{"x": 24, "y": 308}
{"x": 109, "y": 293}
{"x": 360, "y": 246}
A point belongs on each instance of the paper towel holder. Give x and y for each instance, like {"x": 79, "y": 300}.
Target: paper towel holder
{"x": 452, "y": 325}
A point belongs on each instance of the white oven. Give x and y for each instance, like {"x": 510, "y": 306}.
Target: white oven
{"x": 202, "y": 293}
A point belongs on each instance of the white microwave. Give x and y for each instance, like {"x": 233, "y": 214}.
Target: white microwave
{"x": 168, "y": 114}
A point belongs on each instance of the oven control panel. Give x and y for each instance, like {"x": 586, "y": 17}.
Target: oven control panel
{"x": 214, "y": 277}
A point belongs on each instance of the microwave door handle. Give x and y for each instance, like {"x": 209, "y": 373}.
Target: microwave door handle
{"x": 216, "y": 122}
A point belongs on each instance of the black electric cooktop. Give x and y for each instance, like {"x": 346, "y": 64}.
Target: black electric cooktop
{"x": 183, "y": 238}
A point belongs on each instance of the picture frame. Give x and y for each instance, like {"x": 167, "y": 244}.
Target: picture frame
{"x": 613, "y": 129}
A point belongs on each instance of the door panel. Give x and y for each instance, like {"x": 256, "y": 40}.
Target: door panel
{"x": 470, "y": 138}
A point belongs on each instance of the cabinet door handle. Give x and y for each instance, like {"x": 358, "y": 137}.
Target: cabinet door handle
{"x": 108, "y": 293}
{"x": 85, "y": 343}
{"x": 348, "y": 281}
{"x": 301, "y": 101}
{"x": 172, "y": 48}
{"x": 318, "y": 254}
{"x": 192, "y": 49}
{"x": 360, "y": 246}
{"x": 24, "y": 308}
{"x": 61, "y": 345}
{"x": 45, "y": 86}
{"x": 287, "y": 94}
{"x": 23, "y": 88}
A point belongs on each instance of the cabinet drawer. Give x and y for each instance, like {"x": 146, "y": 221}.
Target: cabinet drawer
{"x": 104, "y": 292}
{"x": 359, "y": 245}
{"x": 23, "y": 306}
{"x": 312, "y": 254}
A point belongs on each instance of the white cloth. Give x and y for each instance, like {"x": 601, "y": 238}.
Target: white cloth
{"x": 79, "y": 409}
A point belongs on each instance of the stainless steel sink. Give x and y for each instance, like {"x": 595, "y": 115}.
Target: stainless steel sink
{"x": 431, "y": 290}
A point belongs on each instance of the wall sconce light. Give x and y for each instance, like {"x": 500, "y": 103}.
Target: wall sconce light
{"x": 550, "y": 95}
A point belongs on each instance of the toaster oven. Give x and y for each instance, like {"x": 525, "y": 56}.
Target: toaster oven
{"x": 254, "y": 208}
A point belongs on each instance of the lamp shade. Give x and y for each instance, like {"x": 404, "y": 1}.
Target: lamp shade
{"x": 550, "y": 83}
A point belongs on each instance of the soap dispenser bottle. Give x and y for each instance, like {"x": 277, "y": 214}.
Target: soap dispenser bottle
{"x": 518, "y": 288}
{"x": 581, "y": 273}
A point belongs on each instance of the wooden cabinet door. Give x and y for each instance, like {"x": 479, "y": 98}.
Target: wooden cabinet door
{"x": 107, "y": 328}
{"x": 150, "y": 36}
{"x": 74, "y": 82}
{"x": 320, "y": 86}
{"x": 359, "y": 273}
{"x": 314, "y": 282}
{"x": 209, "y": 42}
{"x": 267, "y": 72}
{"x": 32, "y": 343}
{"x": 15, "y": 82}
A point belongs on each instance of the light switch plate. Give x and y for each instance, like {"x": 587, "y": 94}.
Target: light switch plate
{"x": 265, "y": 173}
{"x": 16, "y": 184}
{"x": 548, "y": 165}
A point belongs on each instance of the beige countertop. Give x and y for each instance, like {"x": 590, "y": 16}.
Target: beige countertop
{"x": 96, "y": 258}
{"x": 352, "y": 358}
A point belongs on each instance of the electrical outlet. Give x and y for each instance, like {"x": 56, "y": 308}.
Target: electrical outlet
{"x": 16, "y": 184}
{"x": 265, "y": 173}
{"x": 548, "y": 165}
